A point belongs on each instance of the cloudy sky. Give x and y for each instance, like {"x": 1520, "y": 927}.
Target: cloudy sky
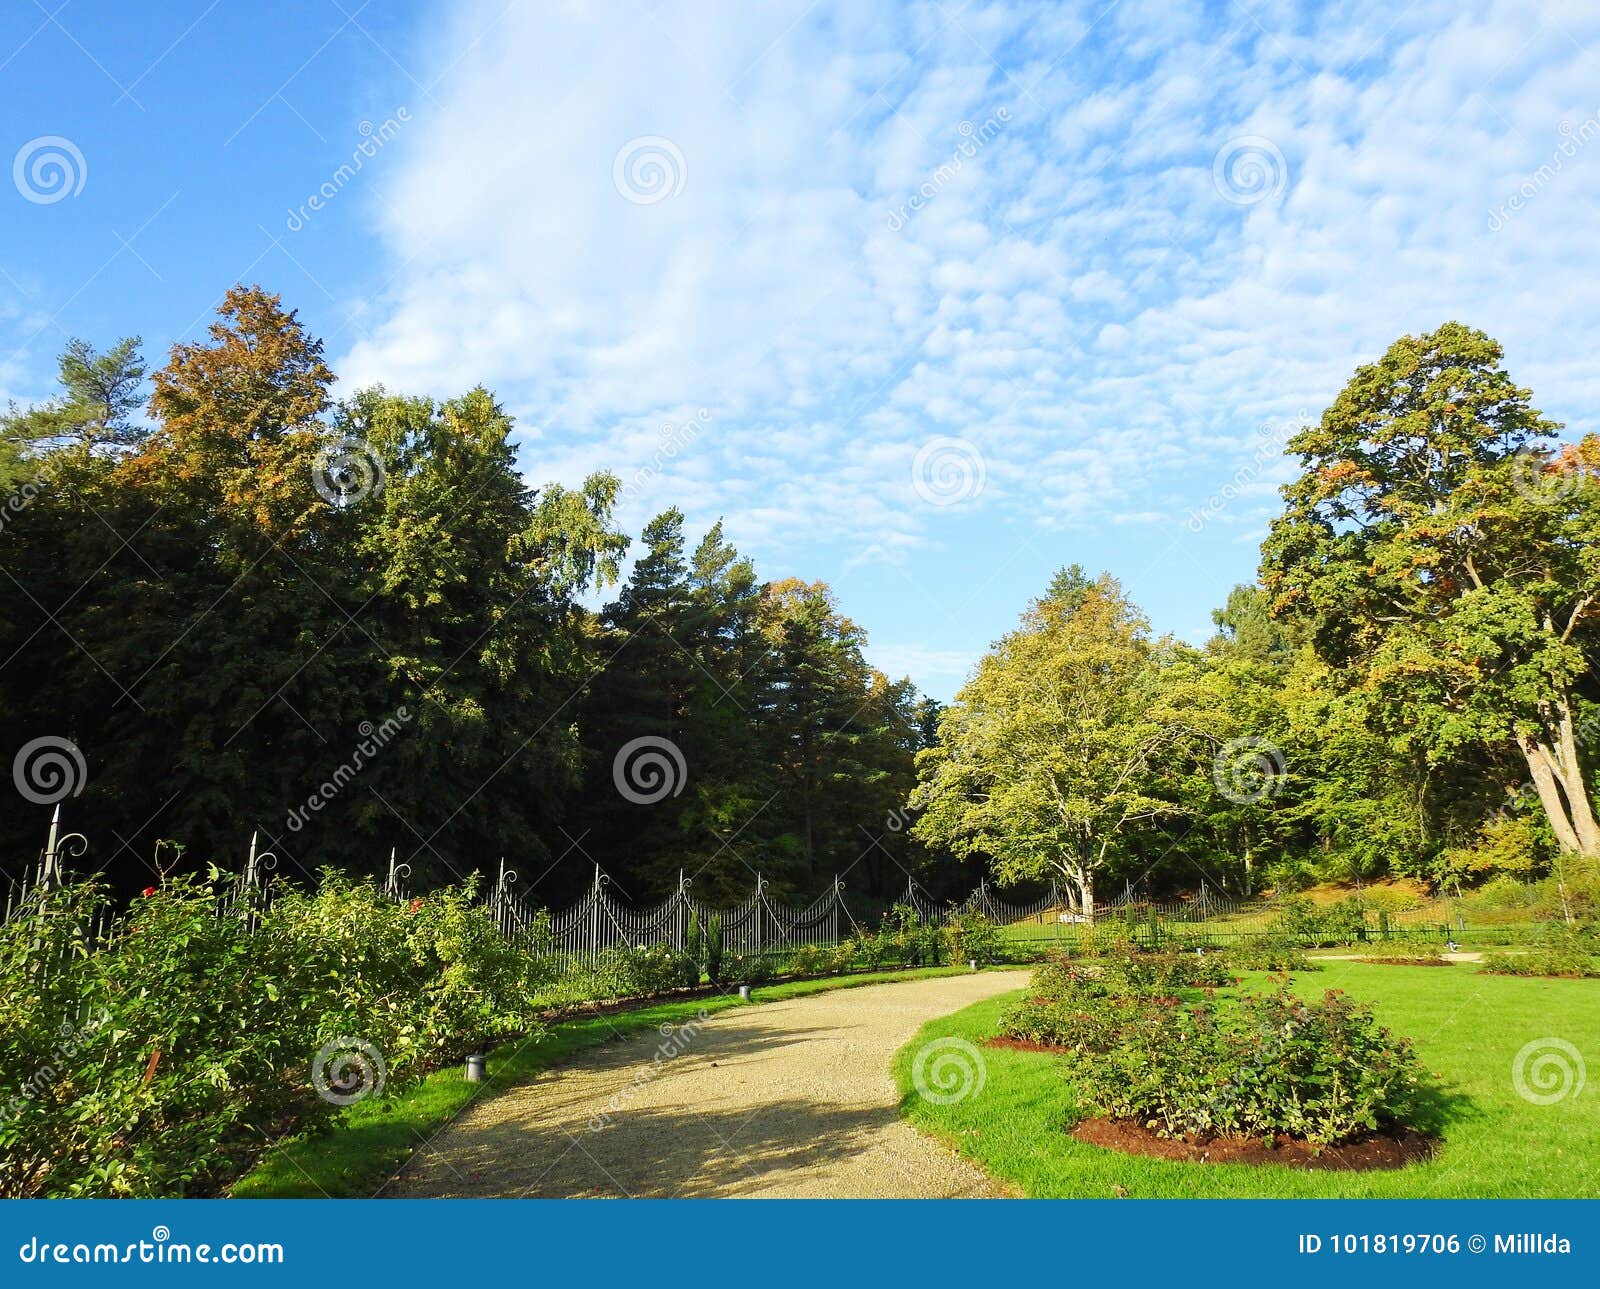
{"x": 924, "y": 300}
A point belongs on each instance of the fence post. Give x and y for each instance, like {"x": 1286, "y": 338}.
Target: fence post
{"x": 52, "y": 872}
{"x": 391, "y": 885}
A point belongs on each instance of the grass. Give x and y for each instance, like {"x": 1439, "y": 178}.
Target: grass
{"x": 1468, "y": 1029}
{"x": 372, "y": 1138}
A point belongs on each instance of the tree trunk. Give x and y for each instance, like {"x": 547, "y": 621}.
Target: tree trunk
{"x": 1541, "y": 766}
{"x": 1569, "y": 770}
{"x": 1086, "y": 889}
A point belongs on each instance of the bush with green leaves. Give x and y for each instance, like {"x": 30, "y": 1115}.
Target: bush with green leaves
{"x": 1558, "y": 950}
{"x": 747, "y": 969}
{"x": 969, "y": 936}
{"x": 908, "y": 942}
{"x": 160, "y": 1060}
{"x": 1345, "y": 921}
{"x": 1323, "y": 1072}
{"x": 1071, "y": 1023}
{"x": 810, "y": 960}
{"x": 1271, "y": 952}
{"x": 1150, "y": 974}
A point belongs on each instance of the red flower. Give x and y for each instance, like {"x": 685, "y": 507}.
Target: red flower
{"x": 415, "y": 905}
{"x": 148, "y": 892}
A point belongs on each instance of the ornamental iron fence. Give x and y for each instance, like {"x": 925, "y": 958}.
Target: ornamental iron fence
{"x": 762, "y": 924}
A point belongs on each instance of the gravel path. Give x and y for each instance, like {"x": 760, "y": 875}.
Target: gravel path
{"x": 790, "y": 1098}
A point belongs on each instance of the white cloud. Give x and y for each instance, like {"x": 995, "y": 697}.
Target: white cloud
{"x": 1075, "y": 297}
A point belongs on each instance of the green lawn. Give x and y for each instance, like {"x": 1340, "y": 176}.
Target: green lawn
{"x": 1468, "y": 1029}
{"x": 372, "y": 1138}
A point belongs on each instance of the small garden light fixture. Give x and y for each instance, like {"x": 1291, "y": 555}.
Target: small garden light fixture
{"x": 475, "y": 1067}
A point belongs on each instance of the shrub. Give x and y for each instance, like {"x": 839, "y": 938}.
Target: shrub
{"x": 747, "y": 969}
{"x": 1297, "y": 919}
{"x": 1345, "y": 921}
{"x": 1503, "y": 893}
{"x": 970, "y": 936}
{"x": 909, "y": 941}
{"x": 1321, "y": 1072}
{"x": 1151, "y": 974}
{"x": 162, "y": 1061}
{"x": 1558, "y": 951}
{"x": 810, "y": 960}
{"x": 1271, "y": 952}
{"x": 1080, "y": 1024}
{"x": 1062, "y": 975}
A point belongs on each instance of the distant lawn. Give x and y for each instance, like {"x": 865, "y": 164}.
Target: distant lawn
{"x": 1467, "y": 1027}
{"x": 371, "y": 1139}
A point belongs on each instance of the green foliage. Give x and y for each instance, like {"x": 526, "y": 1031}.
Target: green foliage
{"x": 1345, "y": 921}
{"x": 1444, "y": 561}
{"x": 1323, "y": 1072}
{"x": 1558, "y": 950}
{"x": 970, "y": 936}
{"x": 163, "y": 1060}
{"x": 1071, "y": 1023}
{"x": 1272, "y": 952}
{"x": 1046, "y": 762}
{"x": 714, "y": 949}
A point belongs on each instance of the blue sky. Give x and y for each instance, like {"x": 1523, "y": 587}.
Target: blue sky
{"x": 925, "y": 300}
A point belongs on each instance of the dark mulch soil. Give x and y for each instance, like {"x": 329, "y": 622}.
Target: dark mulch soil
{"x": 1381, "y": 1150}
{"x": 1537, "y": 975}
{"x": 1019, "y": 1044}
{"x": 1409, "y": 962}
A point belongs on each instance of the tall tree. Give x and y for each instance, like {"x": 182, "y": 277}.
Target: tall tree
{"x": 1447, "y": 564}
{"x": 1045, "y": 760}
